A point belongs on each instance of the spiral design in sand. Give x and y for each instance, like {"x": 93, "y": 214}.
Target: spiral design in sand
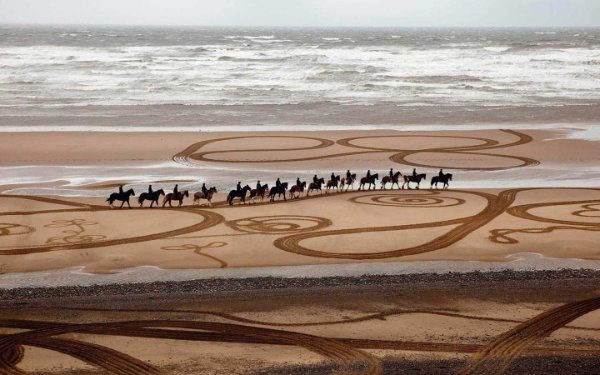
{"x": 279, "y": 224}
{"x": 408, "y": 200}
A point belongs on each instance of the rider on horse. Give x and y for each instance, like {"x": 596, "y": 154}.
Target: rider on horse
{"x": 392, "y": 172}
{"x": 332, "y": 177}
{"x": 120, "y": 189}
{"x": 278, "y": 183}
{"x": 441, "y": 173}
{"x": 204, "y": 189}
{"x": 348, "y": 175}
{"x": 298, "y": 182}
{"x": 239, "y": 186}
{"x": 258, "y": 186}
{"x": 316, "y": 180}
{"x": 414, "y": 174}
{"x": 176, "y": 191}
{"x": 150, "y": 191}
{"x": 369, "y": 175}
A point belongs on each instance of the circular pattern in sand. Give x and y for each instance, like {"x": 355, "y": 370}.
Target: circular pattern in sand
{"x": 399, "y": 145}
{"x": 279, "y": 224}
{"x": 426, "y": 200}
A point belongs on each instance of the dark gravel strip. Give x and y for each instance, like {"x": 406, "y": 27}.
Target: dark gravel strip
{"x": 212, "y": 286}
{"x": 525, "y": 365}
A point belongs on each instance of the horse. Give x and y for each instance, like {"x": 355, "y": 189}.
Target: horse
{"x": 409, "y": 178}
{"x": 348, "y": 182}
{"x": 315, "y": 186}
{"x": 124, "y": 198}
{"x": 152, "y": 197}
{"x": 333, "y": 183}
{"x": 444, "y": 178}
{"x": 393, "y": 179}
{"x": 208, "y": 196}
{"x": 254, "y": 193}
{"x": 370, "y": 181}
{"x": 238, "y": 194}
{"x": 297, "y": 189}
{"x": 279, "y": 191}
{"x": 170, "y": 197}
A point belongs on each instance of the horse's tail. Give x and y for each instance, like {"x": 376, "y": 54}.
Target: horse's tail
{"x": 230, "y": 199}
{"x": 141, "y": 198}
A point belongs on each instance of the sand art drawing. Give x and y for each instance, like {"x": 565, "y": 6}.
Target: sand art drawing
{"x": 75, "y": 234}
{"x": 12, "y": 229}
{"x": 194, "y": 153}
{"x": 588, "y": 210}
{"x": 293, "y": 230}
{"x": 198, "y": 250}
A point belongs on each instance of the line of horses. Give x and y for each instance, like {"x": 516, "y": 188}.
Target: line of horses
{"x": 337, "y": 183}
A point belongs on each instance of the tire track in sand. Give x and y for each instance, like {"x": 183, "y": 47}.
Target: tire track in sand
{"x": 495, "y": 357}
{"x": 41, "y": 332}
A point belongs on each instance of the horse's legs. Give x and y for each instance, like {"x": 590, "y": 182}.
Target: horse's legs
{"x": 128, "y": 205}
{"x": 122, "y": 203}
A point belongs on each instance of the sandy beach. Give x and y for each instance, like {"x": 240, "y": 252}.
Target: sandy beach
{"x": 369, "y": 281}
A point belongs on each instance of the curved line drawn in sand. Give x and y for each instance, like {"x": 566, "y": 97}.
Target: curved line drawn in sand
{"x": 503, "y": 235}
{"x": 42, "y": 334}
{"x": 198, "y": 250}
{"x": 424, "y": 199}
{"x": 209, "y": 219}
{"x": 496, "y": 205}
{"x": 495, "y": 357}
{"x": 279, "y": 224}
{"x": 193, "y": 152}
{"x": 13, "y": 229}
{"x": 74, "y": 235}
{"x": 589, "y": 210}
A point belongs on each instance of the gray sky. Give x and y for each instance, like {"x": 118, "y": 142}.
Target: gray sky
{"x": 305, "y": 12}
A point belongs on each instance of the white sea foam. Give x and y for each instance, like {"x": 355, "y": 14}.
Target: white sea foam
{"x": 232, "y": 66}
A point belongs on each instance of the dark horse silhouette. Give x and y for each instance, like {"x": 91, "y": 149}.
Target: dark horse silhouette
{"x": 297, "y": 190}
{"x": 370, "y": 181}
{"x": 238, "y": 194}
{"x": 393, "y": 179}
{"x": 315, "y": 186}
{"x": 171, "y": 197}
{"x": 255, "y": 193}
{"x": 333, "y": 183}
{"x": 409, "y": 178}
{"x": 348, "y": 182}
{"x": 279, "y": 191}
{"x": 124, "y": 198}
{"x": 152, "y": 197}
{"x": 444, "y": 179}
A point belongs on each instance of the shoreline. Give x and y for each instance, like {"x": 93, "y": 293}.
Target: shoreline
{"x": 77, "y": 277}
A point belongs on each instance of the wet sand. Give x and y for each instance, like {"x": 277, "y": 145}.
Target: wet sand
{"x": 409, "y": 313}
{"x": 480, "y": 323}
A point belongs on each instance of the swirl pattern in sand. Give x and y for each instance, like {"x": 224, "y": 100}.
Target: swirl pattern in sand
{"x": 279, "y": 224}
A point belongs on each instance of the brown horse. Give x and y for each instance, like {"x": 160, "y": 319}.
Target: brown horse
{"x": 171, "y": 197}
{"x": 393, "y": 179}
{"x": 208, "y": 196}
{"x": 255, "y": 193}
{"x": 297, "y": 190}
{"x": 348, "y": 182}
{"x": 333, "y": 184}
{"x": 370, "y": 181}
{"x": 315, "y": 186}
{"x": 410, "y": 178}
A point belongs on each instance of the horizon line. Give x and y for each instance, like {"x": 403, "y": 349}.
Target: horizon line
{"x": 299, "y": 26}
